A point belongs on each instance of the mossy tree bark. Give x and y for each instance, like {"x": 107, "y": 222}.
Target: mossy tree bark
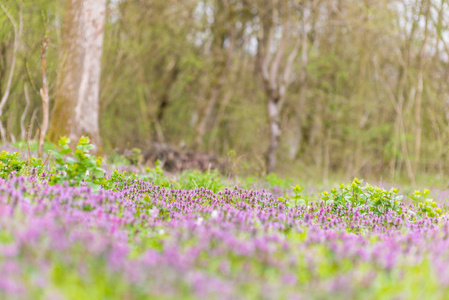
{"x": 76, "y": 110}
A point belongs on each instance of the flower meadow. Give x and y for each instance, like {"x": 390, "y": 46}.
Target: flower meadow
{"x": 126, "y": 236}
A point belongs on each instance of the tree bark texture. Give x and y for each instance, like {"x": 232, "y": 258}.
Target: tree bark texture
{"x": 275, "y": 133}
{"x": 76, "y": 111}
{"x": 275, "y": 69}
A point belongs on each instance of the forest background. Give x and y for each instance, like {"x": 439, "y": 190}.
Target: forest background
{"x": 305, "y": 88}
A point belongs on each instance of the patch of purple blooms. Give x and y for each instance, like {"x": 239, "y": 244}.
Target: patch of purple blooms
{"x": 144, "y": 241}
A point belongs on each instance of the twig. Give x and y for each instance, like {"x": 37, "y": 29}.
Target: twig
{"x": 46, "y": 160}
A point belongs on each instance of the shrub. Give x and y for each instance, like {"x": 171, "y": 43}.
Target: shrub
{"x": 82, "y": 167}
{"x": 424, "y": 204}
{"x": 367, "y": 198}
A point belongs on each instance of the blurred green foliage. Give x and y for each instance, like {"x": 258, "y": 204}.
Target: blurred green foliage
{"x": 82, "y": 167}
{"x": 162, "y": 62}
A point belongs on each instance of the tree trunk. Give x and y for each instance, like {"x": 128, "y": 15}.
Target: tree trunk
{"x": 223, "y": 30}
{"x": 44, "y": 96}
{"x": 170, "y": 77}
{"x": 204, "y": 120}
{"x": 275, "y": 133}
{"x": 76, "y": 111}
{"x": 419, "y": 91}
{"x": 297, "y": 140}
{"x": 276, "y": 74}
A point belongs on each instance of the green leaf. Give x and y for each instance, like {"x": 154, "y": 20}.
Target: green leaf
{"x": 98, "y": 173}
{"x": 301, "y": 202}
{"x": 63, "y": 141}
{"x": 65, "y": 151}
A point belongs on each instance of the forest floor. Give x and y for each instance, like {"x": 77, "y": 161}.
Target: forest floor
{"x": 67, "y": 231}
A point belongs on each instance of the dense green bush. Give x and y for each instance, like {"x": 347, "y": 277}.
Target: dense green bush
{"x": 426, "y": 205}
{"x": 367, "y": 198}
{"x": 81, "y": 167}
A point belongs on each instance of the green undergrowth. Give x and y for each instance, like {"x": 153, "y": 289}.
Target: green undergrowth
{"x": 81, "y": 167}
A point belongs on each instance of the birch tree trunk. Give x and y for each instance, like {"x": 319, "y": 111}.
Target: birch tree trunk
{"x": 275, "y": 132}
{"x": 76, "y": 111}
{"x": 275, "y": 68}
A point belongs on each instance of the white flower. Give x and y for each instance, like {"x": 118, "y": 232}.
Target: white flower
{"x": 199, "y": 221}
{"x": 214, "y": 214}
